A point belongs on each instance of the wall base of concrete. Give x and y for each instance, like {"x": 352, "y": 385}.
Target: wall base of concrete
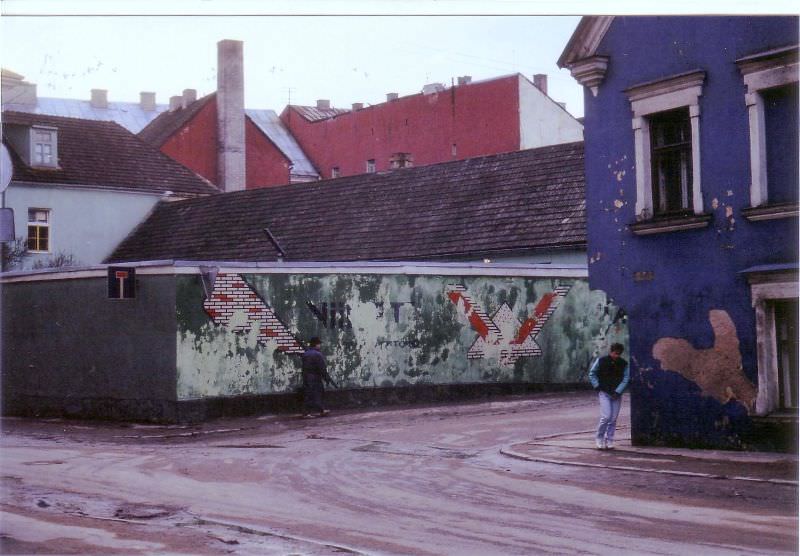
{"x": 213, "y": 408}
{"x": 195, "y": 411}
{"x": 106, "y": 409}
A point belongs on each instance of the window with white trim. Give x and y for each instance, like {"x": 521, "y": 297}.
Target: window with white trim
{"x": 771, "y": 99}
{"x": 371, "y": 166}
{"x": 38, "y": 230}
{"x": 44, "y": 146}
{"x": 335, "y": 173}
{"x": 666, "y": 126}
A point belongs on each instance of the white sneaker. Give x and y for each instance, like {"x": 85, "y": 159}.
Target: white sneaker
{"x": 600, "y": 443}
{"x": 609, "y": 445}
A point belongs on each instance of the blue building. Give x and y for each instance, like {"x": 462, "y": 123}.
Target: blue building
{"x": 691, "y": 145}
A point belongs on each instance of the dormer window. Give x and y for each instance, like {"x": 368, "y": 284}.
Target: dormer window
{"x": 44, "y": 146}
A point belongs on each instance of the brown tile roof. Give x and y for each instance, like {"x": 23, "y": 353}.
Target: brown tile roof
{"x": 103, "y": 154}
{"x": 313, "y": 114}
{"x": 502, "y": 204}
{"x": 168, "y": 123}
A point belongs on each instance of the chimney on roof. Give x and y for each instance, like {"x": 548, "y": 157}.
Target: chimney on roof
{"x": 147, "y": 101}
{"x": 99, "y": 98}
{"x": 391, "y": 96}
{"x": 189, "y": 96}
{"x": 540, "y": 81}
{"x": 323, "y": 104}
{"x": 175, "y": 102}
{"x": 465, "y": 80}
{"x": 358, "y": 106}
{"x": 230, "y": 116}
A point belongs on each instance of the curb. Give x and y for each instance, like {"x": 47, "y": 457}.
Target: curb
{"x": 509, "y": 452}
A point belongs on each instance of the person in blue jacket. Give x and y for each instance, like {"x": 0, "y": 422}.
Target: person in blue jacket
{"x": 315, "y": 374}
{"x": 609, "y": 376}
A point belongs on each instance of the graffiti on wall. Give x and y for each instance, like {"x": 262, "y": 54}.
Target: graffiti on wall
{"x": 234, "y": 304}
{"x": 718, "y": 370}
{"x": 503, "y": 335}
{"x": 237, "y": 335}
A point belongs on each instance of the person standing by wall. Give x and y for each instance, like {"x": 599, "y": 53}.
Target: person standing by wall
{"x": 609, "y": 376}
{"x": 315, "y": 375}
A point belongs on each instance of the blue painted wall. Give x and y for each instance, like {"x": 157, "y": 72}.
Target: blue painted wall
{"x": 693, "y": 272}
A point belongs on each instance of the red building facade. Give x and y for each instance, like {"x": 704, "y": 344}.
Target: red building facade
{"x": 437, "y": 125}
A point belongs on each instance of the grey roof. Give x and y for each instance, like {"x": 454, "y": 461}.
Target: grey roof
{"x": 269, "y": 122}
{"x": 127, "y": 114}
{"x": 511, "y": 203}
{"x": 313, "y": 114}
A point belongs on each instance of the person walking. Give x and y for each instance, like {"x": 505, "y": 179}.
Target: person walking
{"x": 315, "y": 375}
{"x": 609, "y": 376}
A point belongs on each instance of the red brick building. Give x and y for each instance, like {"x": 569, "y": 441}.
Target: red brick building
{"x": 440, "y": 124}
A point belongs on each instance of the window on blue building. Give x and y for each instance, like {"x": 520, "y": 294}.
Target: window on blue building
{"x": 671, "y": 159}
{"x": 781, "y": 127}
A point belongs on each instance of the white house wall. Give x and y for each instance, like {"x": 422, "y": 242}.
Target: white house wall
{"x": 542, "y": 121}
{"x": 84, "y": 223}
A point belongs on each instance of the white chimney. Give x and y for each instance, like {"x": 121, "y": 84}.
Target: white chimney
{"x": 357, "y": 106}
{"x": 147, "y": 101}
{"x": 189, "y": 96}
{"x": 465, "y": 80}
{"x": 323, "y": 104}
{"x": 230, "y": 116}
{"x": 175, "y": 102}
{"x": 391, "y": 96}
{"x": 540, "y": 81}
{"x": 99, "y": 98}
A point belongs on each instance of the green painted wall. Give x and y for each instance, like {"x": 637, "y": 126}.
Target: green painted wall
{"x": 389, "y": 330}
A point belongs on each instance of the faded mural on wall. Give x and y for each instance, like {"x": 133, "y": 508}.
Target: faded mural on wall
{"x": 387, "y": 330}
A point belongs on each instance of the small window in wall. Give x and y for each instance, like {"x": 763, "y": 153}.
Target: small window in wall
{"x": 671, "y": 159}
{"x": 335, "y": 173}
{"x": 371, "y": 166}
{"x": 453, "y": 150}
{"x": 786, "y": 315}
{"x": 38, "y": 230}
{"x": 43, "y": 146}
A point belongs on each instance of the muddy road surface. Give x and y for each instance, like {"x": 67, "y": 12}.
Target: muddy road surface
{"x": 418, "y": 480}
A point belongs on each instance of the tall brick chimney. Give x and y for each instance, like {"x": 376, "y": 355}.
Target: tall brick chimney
{"x": 230, "y": 116}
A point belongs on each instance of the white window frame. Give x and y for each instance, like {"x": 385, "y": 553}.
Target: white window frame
{"x": 48, "y": 225}
{"x": 648, "y": 99}
{"x": 762, "y": 292}
{"x": 335, "y": 172}
{"x": 763, "y": 71}
{"x": 52, "y": 144}
{"x": 370, "y": 166}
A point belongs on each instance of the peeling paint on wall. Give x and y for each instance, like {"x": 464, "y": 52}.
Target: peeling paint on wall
{"x": 717, "y": 371}
{"x": 400, "y": 330}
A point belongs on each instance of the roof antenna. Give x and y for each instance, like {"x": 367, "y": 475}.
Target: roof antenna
{"x": 275, "y": 244}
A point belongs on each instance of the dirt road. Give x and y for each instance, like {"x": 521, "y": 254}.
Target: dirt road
{"x": 421, "y": 480}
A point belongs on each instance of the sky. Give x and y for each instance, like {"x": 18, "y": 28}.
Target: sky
{"x": 345, "y": 59}
{"x": 343, "y": 55}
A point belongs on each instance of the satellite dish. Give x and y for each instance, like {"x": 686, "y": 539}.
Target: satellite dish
{"x": 6, "y": 169}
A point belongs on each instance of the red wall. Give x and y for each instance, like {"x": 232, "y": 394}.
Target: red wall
{"x": 480, "y": 118}
{"x": 195, "y": 146}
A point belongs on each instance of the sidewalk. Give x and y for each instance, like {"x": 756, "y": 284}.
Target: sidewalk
{"x": 578, "y": 449}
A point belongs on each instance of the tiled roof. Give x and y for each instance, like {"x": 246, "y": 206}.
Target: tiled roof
{"x": 501, "y": 204}
{"x": 313, "y": 114}
{"x": 104, "y": 154}
{"x": 168, "y": 123}
{"x": 129, "y": 115}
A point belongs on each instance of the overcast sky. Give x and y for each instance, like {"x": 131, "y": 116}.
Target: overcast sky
{"x": 343, "y": 58}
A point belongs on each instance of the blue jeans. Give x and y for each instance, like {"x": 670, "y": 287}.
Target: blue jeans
{"x": 609, "y": 410}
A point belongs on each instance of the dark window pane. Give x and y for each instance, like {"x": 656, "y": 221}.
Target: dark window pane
{"x": 671, "y": 159}
{"x": 781, "y": 123}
